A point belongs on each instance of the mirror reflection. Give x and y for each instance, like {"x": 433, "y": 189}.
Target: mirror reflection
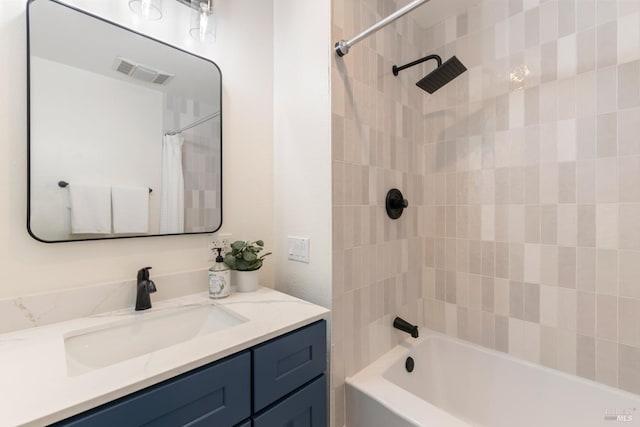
{"x": 125, "y": 131}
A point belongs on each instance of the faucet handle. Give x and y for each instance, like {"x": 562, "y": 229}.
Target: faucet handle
{"x": 151, "y": 287}
{"x": 143, "y": 273}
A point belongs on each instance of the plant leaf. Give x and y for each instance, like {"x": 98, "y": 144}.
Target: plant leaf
{"x": 230, "y": 260}
{"x": 249, "y": 256}
{"x": 259, "y": 243}
{"x": 237, "y": 245}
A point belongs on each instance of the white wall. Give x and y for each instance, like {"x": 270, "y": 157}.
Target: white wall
{"x": 69, "y": 142}
{"x": 302, "y": 145}
{"x": 244, "y": 45}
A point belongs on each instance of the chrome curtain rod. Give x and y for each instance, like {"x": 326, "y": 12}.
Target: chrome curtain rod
{"x": 194, "y": 124}
{"x": 342, "y": 47}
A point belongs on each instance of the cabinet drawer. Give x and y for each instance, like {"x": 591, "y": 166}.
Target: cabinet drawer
{"x": 217, "y": 394}
{"x": 305, "y": 408}
{"x": 284, "y": 364}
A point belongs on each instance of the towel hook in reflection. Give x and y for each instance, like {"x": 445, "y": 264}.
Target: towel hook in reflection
{"x": 64, "y": 184}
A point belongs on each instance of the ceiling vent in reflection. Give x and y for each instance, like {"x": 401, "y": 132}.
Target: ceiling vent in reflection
{"x": 141, "y": 72}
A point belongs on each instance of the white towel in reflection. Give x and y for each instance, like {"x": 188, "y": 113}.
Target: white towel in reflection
{"x": 90, "y": 208}
{"x": 130, "y": 209}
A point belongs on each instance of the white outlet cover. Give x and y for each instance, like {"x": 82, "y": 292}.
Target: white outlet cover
{"x": 221, "y": 240}
{"x": 298, "y": 249}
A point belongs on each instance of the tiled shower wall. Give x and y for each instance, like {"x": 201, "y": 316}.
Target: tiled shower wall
{"x": 524, "y": 179}
{"x": 378, "y": 144}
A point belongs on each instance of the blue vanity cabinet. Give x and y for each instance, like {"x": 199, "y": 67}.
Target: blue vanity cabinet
{"x": 285, "y": 363}
{"x": 289, "y": 379}
{"x": 214, "y": 395}
{"x": 280, "y": 383}
{"x": 306, "y": 407}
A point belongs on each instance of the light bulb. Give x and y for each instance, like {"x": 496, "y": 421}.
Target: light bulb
{"x": 147, "y": 9}
{"x": 203, "y": 21}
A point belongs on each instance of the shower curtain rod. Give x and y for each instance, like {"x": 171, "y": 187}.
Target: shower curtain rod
{"x": 342, "y": 47}
{"x": 194, "y": 124}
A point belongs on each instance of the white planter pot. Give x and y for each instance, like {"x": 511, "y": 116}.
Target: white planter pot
{"x": 245, "y": 281}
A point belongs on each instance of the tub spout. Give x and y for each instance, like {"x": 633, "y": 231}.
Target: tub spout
{"x": 405, "y": 326}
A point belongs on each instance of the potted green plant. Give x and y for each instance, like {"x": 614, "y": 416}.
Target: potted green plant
{"x": 245, "y": 261}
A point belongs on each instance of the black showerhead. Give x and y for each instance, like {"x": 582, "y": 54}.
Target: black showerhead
{"x": 442, "y": 75}
{"x": 439, "y": 77}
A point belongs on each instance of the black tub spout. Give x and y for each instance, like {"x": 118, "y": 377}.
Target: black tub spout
{"x": 405, "y": 326}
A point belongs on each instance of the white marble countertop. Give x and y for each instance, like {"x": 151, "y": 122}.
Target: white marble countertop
{"x": 36, "y": 389}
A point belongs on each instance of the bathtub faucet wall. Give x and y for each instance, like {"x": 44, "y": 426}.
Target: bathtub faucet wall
{"x": 405, "y": 326}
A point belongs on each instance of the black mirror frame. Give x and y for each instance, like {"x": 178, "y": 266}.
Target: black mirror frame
{"x": 28, "y": 50}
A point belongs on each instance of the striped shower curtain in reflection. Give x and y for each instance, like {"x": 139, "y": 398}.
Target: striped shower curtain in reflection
{"x": 172, "y": 197}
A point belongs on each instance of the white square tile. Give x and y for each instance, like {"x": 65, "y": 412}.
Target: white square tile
{"x": 548, "y": 21}
{"x": 567, "y": 225}
{"x": 488, "y": 222}
{"x": 607, "y": 226}
{"x": 532, "y": 263}
{"x": 567, "y": 140}
{"x": 516, "y": 223}
{"x": 549, "y": 305}
{"x": 501, "y": 39}
{"x": 628, "y": 38}
{"x": 567, "y": 57}
{"x": 516, "y": 337}
{"x": 532, "y": 342}
{"x": 516, "y": 109}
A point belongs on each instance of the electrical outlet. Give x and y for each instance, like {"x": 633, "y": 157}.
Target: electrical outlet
{"x": 221, "y": 240}
{"x": 226, "y": 241}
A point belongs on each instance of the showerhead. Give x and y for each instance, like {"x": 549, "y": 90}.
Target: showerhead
{"x": 442, "y": 75}
{"x": 439, "y": 77}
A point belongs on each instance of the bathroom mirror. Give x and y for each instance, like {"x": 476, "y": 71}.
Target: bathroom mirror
{"x": 125, "y": 132}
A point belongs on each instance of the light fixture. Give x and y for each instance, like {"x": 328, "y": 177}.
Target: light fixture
{"x": 147, "y": 9}
{"x": 203, "y": 18}
{"x": 203, "y": 22}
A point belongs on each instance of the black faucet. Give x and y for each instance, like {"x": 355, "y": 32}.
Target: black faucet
{"x": 145, "y": 287}
{"x": 405, "y": 326}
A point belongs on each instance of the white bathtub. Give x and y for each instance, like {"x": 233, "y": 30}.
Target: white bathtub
{"x": 458, "y": 384}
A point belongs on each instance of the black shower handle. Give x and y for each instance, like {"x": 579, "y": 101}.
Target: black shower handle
{"x": 395, "y": 203}
{"x": 399, "y": 203}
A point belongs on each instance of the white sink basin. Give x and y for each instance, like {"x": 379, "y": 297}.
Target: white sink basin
{"x": 94, "y": 348}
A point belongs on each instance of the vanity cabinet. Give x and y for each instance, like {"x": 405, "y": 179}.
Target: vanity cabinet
{"x": 278, "y": 383}
{"x": 306, "y": 407}
{"x": 216, "y": 394}
{"x": 295, "y": 362}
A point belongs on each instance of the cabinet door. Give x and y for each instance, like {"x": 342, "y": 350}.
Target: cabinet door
{"x": 284, "y": 364}
{"x": 305, "y": 408}
{"x": 214, "y": 395}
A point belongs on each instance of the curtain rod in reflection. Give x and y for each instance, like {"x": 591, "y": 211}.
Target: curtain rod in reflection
{"x": 194, "y": 124}
{"x": 64, "y": 184}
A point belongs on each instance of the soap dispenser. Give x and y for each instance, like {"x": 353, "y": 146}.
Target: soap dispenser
{"x": 219, "y": 278}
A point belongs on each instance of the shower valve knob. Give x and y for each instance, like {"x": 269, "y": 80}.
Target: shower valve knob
{"x": 395, "y": 203}
{"x": 399, "y": 203}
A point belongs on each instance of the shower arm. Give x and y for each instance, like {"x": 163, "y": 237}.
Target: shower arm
{"x": 342, "y": 47}
{"x": 397, "y": 69}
